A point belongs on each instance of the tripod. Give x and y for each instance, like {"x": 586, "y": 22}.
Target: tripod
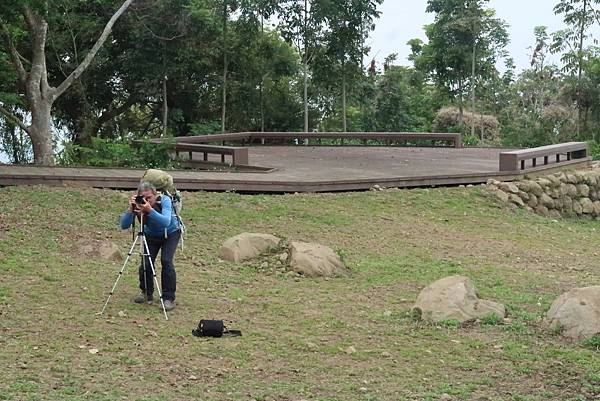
{"x": 144, "y": 251}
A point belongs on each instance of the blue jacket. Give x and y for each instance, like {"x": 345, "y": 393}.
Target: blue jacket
{"x": 155, "y": 223}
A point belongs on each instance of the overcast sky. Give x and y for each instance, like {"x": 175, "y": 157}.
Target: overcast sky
{"x": 402, "y": 20}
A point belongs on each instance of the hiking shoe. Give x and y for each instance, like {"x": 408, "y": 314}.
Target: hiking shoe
{"x": 142, "y": 298}
{"x": 169, "y": 305}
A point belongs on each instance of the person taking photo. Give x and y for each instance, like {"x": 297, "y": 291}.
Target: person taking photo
{"x": 162, "y": 231}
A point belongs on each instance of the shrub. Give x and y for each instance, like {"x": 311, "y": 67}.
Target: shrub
{"x": 107, "y": 153}
{"x": 447, "y": 120}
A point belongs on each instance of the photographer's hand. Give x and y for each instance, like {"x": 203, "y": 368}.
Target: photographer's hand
{"x": 145, "y": 208}
{"x": 132, "y": 205}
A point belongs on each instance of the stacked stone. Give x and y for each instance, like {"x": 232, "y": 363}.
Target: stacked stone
{"x": 564, "y": 194}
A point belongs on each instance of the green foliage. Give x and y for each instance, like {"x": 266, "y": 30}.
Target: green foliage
{"x": 205, "y": 128}
{"x": 594, "y": 149}
{"x": 592, "y": 342}
{"x": 106, "y": 153}
{"x": 491, "y": 320}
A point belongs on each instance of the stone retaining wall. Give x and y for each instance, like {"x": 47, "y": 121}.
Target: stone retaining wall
{"x": 563, "y": 194}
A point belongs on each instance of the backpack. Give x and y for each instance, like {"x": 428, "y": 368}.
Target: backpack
{"x": 163, "y": 182}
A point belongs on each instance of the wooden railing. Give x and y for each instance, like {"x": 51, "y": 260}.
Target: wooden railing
{"x": 552, "y": 154}
{"x": 239, "y": 155}
{"x": 387, "y": 138}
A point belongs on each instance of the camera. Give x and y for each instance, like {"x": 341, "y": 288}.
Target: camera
{"x": 139, "y": 199}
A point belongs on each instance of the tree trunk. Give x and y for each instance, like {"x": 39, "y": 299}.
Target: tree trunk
{"x": 580, "y": 65}
{"x": 305, "y": 66}
{"x": 15, "y": 144}
{"x": 473, "y": 91}
{"x": 165, "y": 110}
{"x": 39, "y": 131}
{"x": 344, "y": 120}
{"x": 262, "y": 80}
{"x": 460, "y": 105}
{"x": 224, "y": 97}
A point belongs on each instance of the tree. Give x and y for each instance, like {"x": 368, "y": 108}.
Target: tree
{"x": 349, "y": 24}
{"x": 579, "y": 15}
{"x": 464, "y": 42}
{"x": 303, "y": 24}
{"x": 40, "y": 95}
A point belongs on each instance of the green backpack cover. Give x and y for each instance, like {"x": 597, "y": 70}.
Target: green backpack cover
{"x": 163, "y": 182}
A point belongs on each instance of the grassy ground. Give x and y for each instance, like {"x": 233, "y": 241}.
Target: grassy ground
{"x": 304, "y": 339}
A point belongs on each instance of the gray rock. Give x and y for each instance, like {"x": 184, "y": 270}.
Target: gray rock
{"x": 544, "y": 183}
{"x": 583, "y": 190}
{"x": 314, "y": 260}
{"x": 546, "y": 200}
{"x": 454, "y": 298}
{"x": 577, "y": 207}
{"x": 572, "y": 179}
{"x": 571, "y": 190}
{"x": 576, "y": 313}
{"x": 501, "y": 195}
{"x": 558, "y": 203}
{"x": 533, "y": 201}
{"x": 591, "y": 179}
{"x": 587, "y": 206}
{"x": 524, "y": 196}
{"x": 509, "y": 187}
{"x": 514, "y": 198}
{"x": 555, "y": 214}
{"x": 562, "y": 177}
{"x": 247, "y": 246}
{"x": 542, "y": 210}
{"x": 554, "y": 180}
{"x": 597, "y": 208}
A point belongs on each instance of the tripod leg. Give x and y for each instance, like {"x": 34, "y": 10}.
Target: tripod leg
{"x": 120, "y": 274}
{"x": 162, "y": 303}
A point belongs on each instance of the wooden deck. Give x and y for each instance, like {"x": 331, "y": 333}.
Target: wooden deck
{"x": 305, "y": 169}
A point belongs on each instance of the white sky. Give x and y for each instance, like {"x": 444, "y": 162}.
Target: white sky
{"x": 402, "y": 20}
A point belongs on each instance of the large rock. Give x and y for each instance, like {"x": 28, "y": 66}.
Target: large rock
{"x": 315, "y": 260}
{"x": 509, "y": 187}
{"x": 247, "y": 246}
{"x": 454, "y": 298}
{"x": 105, "y": 250}
{"x": 500, "y": 194}
{"x": 576, "y": 313}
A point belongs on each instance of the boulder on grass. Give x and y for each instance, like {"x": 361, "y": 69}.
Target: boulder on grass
{"x": 454, "y": 298}
{"x": 314, "y": 260}
{"x": 576, "y": 313}
{"x": 247, "y": 246}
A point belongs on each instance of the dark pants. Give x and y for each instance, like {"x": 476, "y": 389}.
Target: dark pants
{"x": 168, "y": 278}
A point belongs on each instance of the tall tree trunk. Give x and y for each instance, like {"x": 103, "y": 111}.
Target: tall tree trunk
{"x": 580, "y": 64}
{"x": 460, "y": 105}
{"x": 39, "y": 131}
{"x": 224, "y": 94}
{"x": 473, "y": 91}
{"x": 305, "y": 66}
{"x": 15, "y": 144}
{"x": 165, "y": 108}
{"x": 344, "y": 120}
{"x": 262, "y": 79}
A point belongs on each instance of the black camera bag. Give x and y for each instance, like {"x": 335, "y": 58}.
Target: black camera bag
{"x": 213, "y": 328}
